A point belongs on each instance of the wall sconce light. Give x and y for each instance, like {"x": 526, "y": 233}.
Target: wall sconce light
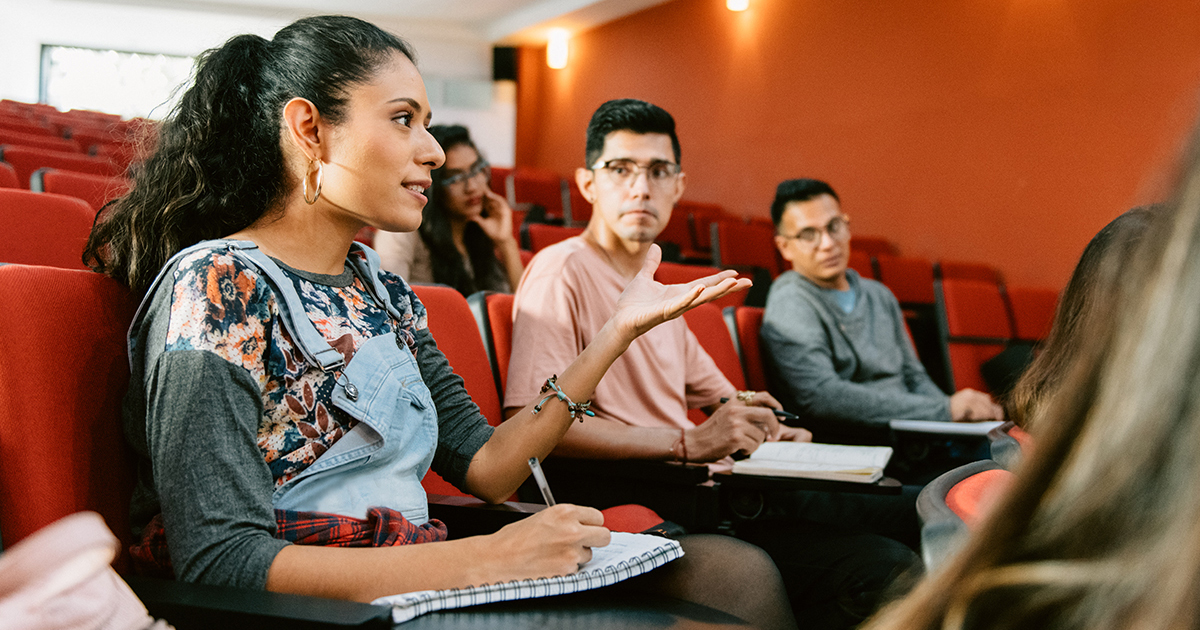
{"x": 557, "y": 48}
{"x": 737, "y": 5}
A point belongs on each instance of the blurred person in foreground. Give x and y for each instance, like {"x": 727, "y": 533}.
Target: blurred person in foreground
{"x": 1101, "y": 527}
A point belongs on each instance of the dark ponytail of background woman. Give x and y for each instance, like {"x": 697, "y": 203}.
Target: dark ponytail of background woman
{"x": 218, "y": 164}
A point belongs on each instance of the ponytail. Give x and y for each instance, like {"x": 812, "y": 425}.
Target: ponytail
{"x": 218, "y": 166}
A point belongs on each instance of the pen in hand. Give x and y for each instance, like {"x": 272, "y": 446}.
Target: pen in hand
{"x": 541, "y": 480}
{"x": 790, "y": 418}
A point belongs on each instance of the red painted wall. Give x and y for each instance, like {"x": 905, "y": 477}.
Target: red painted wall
{"x": 1004, "y": 131}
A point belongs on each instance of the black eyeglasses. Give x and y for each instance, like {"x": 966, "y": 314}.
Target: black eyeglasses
{"x": 479, "y": 168}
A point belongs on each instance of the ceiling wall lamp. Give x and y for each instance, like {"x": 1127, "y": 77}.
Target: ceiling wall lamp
{"x": 558, "y": 48}
{"x": 737, "y": 5}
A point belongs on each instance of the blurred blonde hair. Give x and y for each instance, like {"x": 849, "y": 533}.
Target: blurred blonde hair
{"x": 1101, "y": 527}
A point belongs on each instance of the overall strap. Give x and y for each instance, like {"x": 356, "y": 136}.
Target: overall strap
{"x": 310, "y": 342}
{"x": 368, "y": 271}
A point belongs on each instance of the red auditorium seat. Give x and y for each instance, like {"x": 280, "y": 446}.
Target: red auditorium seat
{"x": 675, "y": 273}
{"x": 43, "y": 229}
{"x": 493, "y": 316}
{"x": 909, "y": 278}
{"x": 581, "y": 209}
{"x": 501, "y": 183}
{"x": 26, "y": 160}
{"x": 707, "y": 323}
{"x": 69, "y": 329}
{"x": 743, "y": 246}
{"x": 747, "y": 321}
{"x": 874, "y": 245}
{"x": 678, "y": 231}
{"x": 97, "y": 190}
{"x": 1033, "y": 312}
{"x": 963, "y": 270}
{"x": 539, "y": 187}
{"x": 41, "y": 141}
{"x": 451, "y": 323}
{"x": 976, "y": 327}
{"x": 861, "y": 262}
{"x": 542, "y": 235}
{"x": 8, "y": 176}
{"x": 25, "y": 126}
{"x": 700, "y": 217}
{"x": 952, "y": 503}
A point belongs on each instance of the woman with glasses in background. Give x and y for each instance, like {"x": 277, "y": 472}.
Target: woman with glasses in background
{"x": 466, "y": 236}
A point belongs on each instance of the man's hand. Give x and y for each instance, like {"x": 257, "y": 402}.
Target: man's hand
{"x": 734, "y": 428}
{"x": 969, "y": 405}
{"x": 645, "y": 303}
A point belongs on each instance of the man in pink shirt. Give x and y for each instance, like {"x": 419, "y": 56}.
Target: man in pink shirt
{"x": 568, "y": 291}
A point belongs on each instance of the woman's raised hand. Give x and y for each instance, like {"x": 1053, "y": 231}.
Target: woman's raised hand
{"x": 646, "y": 303}
{"x": 496, "y": 220}
{"x": 555, "y": 541}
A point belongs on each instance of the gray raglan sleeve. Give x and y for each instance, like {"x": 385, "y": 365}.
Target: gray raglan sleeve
{"x": 212, "y": 483}
{"x": 797, "y": 344}
{"x": 462, "y": 429}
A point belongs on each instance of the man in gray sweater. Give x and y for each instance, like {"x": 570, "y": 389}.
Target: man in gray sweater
{"x": 838, "y": 352}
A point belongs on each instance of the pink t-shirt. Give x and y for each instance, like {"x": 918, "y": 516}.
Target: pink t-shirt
{"x": 568, "y": 292}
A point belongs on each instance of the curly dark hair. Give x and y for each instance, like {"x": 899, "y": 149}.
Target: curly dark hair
{"x": 218, "y": 164}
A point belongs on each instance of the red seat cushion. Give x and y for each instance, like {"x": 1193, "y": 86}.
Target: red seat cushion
{"x": 971, "y": 497}
{"x": 630, "y": 518}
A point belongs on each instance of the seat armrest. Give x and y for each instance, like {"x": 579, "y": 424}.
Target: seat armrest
{"x": 468, "y": 516}
{"x": 202, "y": 606}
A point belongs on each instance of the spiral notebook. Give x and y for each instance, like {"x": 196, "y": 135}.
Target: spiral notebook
{"x": 626, "y": 556}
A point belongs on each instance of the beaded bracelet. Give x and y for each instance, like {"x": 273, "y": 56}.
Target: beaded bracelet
{"x": 577, "y": 410}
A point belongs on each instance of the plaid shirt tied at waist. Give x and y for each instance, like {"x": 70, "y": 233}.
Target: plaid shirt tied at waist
{"x": 383, "y": 527}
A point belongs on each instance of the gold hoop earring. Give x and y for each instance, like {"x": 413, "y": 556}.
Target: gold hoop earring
{"x": 317, "y": 192}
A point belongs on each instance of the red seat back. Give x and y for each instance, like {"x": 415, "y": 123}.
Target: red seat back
{"x": 39, "y": 140}
{"x": 963, "y": 270}
{"x": 748, "y": 321}
{"x": 26, "y": 126}
{"x": 581, "y": 210}
{"x": 26, "y": 160}
{"x": 976, "y": 325}
{"x": 740, "y": 245}
{"x": 454, "y": 329}
{"x": 97, "y": 190}
{"x": 874, "y": 245}
{"x": 500, "y": 320}
{"x": 700, "y": 217}
{"x": 62, "y": 447}
{"x": 542, "y": 235}
{"x": 499, "y": 183}
{"x": 861, "y": 262}
{"x": 1033, "y": 312}
{"x": 707, "y": 323}
{"x": 537, "y": 186}
{"x": 675, "y": 273}
{"x": 43, "y": 229}
{"x": 909, "y": 278}
{"x": 8, "y": 176}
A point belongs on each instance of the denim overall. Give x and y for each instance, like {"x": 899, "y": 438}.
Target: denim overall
{"x": 381, "y": 461}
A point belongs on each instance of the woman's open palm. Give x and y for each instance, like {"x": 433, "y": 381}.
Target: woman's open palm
{"x": 646, "y": 303}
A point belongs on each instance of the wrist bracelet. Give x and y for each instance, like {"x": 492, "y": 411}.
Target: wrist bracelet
{"x": 577, "y": 410}
{"x": 682, "y": 447}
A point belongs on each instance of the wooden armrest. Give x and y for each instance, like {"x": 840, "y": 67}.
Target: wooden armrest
{"x": 468, "y": 516}
{"x": 201, "y": 606}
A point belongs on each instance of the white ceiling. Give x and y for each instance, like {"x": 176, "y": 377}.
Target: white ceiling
{"x": 497, "y": 21}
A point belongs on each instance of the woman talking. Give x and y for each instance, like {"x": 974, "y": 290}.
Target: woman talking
{"x": 279, "y": 377}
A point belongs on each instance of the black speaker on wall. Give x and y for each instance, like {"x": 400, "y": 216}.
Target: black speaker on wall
{"x": 504, "y": 63}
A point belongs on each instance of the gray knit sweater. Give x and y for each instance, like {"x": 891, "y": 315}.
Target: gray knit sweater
{"x": 858, "y": 367}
